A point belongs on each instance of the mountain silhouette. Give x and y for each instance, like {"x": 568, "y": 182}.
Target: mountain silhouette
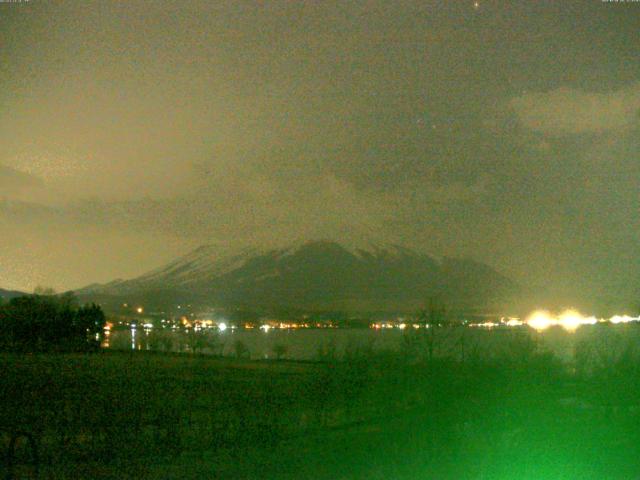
{"x": 316, "y": 275}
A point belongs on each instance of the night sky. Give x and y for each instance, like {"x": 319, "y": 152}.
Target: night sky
{"x": 509, "y": 132}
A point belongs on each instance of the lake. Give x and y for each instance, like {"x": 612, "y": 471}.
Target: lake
{"x": 602, "y": 341}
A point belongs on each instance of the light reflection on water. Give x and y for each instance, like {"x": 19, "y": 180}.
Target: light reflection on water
{"x": 310, "y": 344}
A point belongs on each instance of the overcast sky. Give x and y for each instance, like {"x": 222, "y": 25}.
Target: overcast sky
{"x": 131, "y": 132}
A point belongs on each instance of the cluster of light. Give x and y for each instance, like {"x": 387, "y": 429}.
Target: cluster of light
{"x": 570, "y": 320}
{"x": 202, "y": 325}
{"x": 623, "y": 319}
{"x": 540, "y": 320}
{"x": 504, "y": 322}
{"x": 326, "y": 325}
{"x": 389, "y": 325}
{"x": 288, "y": 326}
{"x": 378, "y": 326}
{"x": 486, "y": 324}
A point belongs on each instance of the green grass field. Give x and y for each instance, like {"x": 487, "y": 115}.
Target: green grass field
{"x": 372, "y": 416}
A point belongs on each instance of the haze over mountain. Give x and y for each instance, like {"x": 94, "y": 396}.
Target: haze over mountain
{"x": 318, "y": 275}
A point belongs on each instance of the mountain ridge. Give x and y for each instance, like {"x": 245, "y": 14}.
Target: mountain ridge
{"x": 9, "y": 294}
{"x": 319, "y": 274}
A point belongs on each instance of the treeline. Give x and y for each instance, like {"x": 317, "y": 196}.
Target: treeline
{"x": 44, "y": 323}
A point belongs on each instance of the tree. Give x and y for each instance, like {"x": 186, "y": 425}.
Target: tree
{"x": 241, "y": 350}
{"x": 49, "y": 322}
{"x": 42, "y": 291}
{"x": 434, "y": 316}
{"x": 167, "y": 342}
{"x": 89, "y": 321}
{"x": 199, "y": 341}
{"x": 280, "y": 350}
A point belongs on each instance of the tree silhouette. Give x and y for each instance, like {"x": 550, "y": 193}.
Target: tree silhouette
{"x": 241, "y": 350}
{"x": 280, "y": 350}
{"x": 434, "y": 316}
{"x": 49, "y": 322}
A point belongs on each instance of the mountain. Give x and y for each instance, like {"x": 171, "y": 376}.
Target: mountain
{"x": 9, "y": 294}
{"x": 318, "y": 275}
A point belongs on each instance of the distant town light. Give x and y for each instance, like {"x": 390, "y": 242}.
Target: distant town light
{"x": 570, "y": 320}
{"x": 222, "y": 327}
{"x": 139, "y": 309}
{"x": 623, "y": 319}
{"x": 540, "y": 320}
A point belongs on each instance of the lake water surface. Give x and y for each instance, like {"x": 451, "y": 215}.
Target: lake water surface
{"x": 310, "y": 344}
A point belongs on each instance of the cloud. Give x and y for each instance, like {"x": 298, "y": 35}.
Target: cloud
{"x": 13, "y": 182}
{"x": 20, "y": 212}
{"x": 20, "y": 188}
{"x": 566, "y": 111}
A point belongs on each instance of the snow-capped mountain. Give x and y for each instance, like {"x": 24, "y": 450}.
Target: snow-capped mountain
{"x": 316, "y": 275}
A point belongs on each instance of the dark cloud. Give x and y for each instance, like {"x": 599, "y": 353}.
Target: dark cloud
{"x": 131, "y": 132}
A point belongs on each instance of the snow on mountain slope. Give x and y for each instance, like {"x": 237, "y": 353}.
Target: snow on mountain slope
{"x": 319, "y": 273}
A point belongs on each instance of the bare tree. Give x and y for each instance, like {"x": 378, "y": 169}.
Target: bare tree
{"x": 434, "y": 317}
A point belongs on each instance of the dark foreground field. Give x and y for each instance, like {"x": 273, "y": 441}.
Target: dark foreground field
{"x": 369, "y": 416}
